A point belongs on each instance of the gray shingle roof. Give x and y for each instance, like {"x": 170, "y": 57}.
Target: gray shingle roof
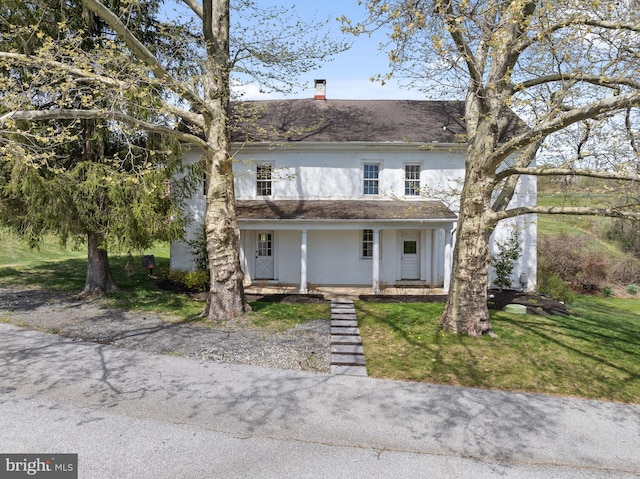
{"x": 308, "y": 120}
{"x": 310, "y": 210}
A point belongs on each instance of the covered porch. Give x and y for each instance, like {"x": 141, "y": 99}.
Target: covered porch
{"x": 403, "y": 247}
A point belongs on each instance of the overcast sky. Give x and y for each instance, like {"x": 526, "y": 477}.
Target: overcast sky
{"x": 348, "y": 75}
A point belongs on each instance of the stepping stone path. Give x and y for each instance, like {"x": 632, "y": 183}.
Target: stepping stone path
{"x": 347, "y": 354}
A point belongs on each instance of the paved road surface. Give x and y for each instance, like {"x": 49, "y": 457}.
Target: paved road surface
{"x": 129, "y": 414}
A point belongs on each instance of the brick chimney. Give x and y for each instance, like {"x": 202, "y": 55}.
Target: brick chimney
{"x": 320, "y": 89}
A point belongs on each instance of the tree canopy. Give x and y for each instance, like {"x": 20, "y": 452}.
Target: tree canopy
{"x": 565, "y": 66}
{"x": 81, "y": 178}
{"x": 173, "y": 82}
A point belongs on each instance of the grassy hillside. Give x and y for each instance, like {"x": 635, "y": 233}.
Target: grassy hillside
{"x": 53, "y": 266}
{"x": 582, "y": 241}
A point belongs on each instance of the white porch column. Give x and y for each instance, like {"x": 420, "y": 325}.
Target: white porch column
{"x": 303, "y": 262}
{"x": 375, "y": 286}
{"x": 435, "y": 245}
{"x": 448, "y": 258}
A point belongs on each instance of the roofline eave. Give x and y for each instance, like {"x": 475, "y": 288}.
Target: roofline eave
{"x": 347, "y": 224}
{"x": 348, "y": 145}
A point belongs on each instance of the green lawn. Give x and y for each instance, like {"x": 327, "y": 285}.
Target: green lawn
{"x": 595, "y": 353}
{"x": 54, "y": 267}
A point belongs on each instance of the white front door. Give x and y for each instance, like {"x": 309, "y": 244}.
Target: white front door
{"x": 410, "y": 255}
{"x": 264, "y": 255}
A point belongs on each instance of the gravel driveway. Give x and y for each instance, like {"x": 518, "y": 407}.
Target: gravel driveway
{"x": 305, "y": 347}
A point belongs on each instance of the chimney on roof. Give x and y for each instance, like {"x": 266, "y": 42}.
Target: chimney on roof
{"x": 320, "y": 89}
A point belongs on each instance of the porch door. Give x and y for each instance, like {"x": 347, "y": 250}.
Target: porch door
{"x": 264, "y": 255}
{"x": 410, "y": 255}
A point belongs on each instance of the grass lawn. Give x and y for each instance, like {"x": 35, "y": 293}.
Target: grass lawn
{"x": 54, "y": 267}
{"x": 594, "y": 353}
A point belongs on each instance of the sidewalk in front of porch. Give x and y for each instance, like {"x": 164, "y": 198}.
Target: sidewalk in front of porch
{"x": 401, "y": 288}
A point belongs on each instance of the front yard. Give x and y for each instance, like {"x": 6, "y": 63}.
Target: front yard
{"x": 593, "y": 353}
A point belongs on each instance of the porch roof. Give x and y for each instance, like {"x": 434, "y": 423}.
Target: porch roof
{"x": 343, "y": 210}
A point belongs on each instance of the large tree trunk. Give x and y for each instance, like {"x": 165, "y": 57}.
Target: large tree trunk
{"x": 226, "y": 296}
{"x": 99, "y": 280}
{"x": 466, "y": 311}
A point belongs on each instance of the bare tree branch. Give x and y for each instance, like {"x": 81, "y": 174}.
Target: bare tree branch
{"x": 570, "y": 117}
{"x": 608, "y": 82}
{"x": 575, "y": 21}
{"x": 142, "y": 53}
{"x": 508, "y": 189}
{"x": 547, "y": 171}
{"x": 84, "y": 75}
{"x": 35, "y": 61}
{"x": 196, "y": 7}
{"x": 75, "y": 114}
{"x": 445, "y": 9}
{"x": 617, "y": 212}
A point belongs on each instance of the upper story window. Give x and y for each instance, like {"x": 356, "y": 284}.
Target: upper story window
{"x": 371, "y": 179}
{"x": 411, "y": 180}
{"x": 264, "y": 179}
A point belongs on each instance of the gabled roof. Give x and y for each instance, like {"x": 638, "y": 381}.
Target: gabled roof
{"x": 308, "y": 120}
{"x": 323, "y": 210}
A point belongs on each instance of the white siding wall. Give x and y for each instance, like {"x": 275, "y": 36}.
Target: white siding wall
{"x": 181, "y": 257}
{"x": 337, "y": 174}
{"x": 329, "y": 172}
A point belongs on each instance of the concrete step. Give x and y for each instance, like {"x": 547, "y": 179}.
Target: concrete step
{"x": 344, "y": 316}
{"x": 347, "y": 349}
{"x": 347, "y": 353}
{"x": 343, "y": 312}
{"x": 342, "y": 301}
{"x": 351, "y": 340}
{"x": 344, "y": 323}
{"x": 345, "y": 331}
{"x": 349, "y": 370}
{"x": 347, "y": 359}
{"x": 342, "y": 306}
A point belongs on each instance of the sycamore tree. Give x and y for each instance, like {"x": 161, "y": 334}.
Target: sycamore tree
{"x": 560, "y": 64}
{"x": 148, "y": 89}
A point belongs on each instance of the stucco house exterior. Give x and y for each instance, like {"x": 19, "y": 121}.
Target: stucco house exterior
{"x": 351, "y": 192}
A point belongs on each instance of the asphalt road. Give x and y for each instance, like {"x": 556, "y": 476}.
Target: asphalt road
{"x": 129, "y": 414}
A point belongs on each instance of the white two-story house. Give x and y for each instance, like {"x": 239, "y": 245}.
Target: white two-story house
{"x": 351, "y": 192}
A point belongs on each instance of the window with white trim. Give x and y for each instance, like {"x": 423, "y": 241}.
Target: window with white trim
{"x": 411, "y": 180}
{"x": 264, "y": 179}
{"x": 371, "y": 178}
{"x": 366, "y": 248}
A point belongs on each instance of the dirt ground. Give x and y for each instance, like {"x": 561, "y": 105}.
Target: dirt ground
{"x": 305, "y": 347}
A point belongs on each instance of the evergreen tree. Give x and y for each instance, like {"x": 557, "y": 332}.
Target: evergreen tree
{"x": 94, "y": 181}
{"x": 136, "y": 83}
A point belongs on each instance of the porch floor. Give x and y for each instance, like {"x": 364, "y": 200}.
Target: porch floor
{"x": 344, "y": 291}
